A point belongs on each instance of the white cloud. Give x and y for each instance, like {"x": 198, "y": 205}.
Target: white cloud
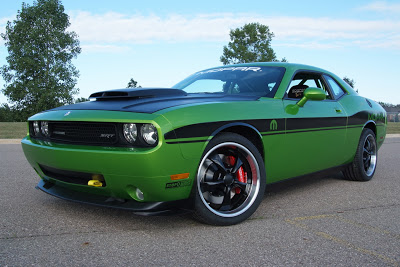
{"x": 117, "y": 29}
{"x": 100, "y": 48}
{"x": 3, "y": 22}
{"x": 382, "y": 6}
{"x": 388, "y": 43}
{"x": 116, "y": 32}
{"x": 311, "y": 45}
{"x": 329, "y": 33}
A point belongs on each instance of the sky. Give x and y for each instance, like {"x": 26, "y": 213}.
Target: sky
{"x": 159, "y": 43}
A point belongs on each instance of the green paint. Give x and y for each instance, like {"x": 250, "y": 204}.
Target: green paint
{"x": 315, "y": 94}
{"x": 292, "y": 109}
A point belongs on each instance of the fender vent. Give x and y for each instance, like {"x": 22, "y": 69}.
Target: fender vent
{"x": 369, "y": 103}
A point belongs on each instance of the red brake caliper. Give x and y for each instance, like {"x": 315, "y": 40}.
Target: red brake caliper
{"x": 240, "y": 174}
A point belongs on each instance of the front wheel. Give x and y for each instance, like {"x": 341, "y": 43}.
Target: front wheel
{"x": 364, "y": 164}
{"x": 230, "y": 181}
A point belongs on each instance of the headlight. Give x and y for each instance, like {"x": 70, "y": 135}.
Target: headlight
{"x": 149, "y": 134}
{"x": 36, "y": 127}
{"x": 130, "y": 132}
{"x": 44, "y": 126}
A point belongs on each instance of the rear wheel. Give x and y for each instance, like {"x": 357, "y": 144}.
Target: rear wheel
{"x": 230, "y": 181}
{"x": 364, "y": 164}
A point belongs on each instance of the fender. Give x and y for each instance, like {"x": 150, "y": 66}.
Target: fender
{"x": 235, "y": 124}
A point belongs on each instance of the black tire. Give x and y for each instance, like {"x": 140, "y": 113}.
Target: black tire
{"x": 364, "y": 164}
{"x": 230, "y": 182}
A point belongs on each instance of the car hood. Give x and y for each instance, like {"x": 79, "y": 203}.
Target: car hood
{"x": 149, "y": 100}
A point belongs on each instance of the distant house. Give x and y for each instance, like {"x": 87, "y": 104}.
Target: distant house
{"x": 393, "y": 116}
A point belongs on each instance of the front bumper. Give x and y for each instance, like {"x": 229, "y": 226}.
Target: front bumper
{"x": 124, "y": 170}
{"x": 142, "y": 208}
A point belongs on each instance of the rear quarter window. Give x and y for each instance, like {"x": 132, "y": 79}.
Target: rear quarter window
{"x": 336, "y": 88}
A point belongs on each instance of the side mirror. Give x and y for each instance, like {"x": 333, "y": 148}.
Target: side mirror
{"x": 312, "y": 93}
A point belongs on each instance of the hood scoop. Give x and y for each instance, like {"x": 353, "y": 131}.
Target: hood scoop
{"x": 136, "y": 93}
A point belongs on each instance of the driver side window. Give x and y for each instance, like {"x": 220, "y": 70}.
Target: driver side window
{"x": 303, "y": 80}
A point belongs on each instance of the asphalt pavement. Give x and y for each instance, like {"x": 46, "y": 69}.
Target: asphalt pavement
{"x": 310, "y": 221}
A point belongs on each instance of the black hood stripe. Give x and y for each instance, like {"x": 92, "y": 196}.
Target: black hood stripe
{"x": 154, "y": 103}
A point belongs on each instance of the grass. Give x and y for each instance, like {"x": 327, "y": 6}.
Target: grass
{"x": 393, "y": 128}
{"x": 17, "y": 130}
{"x": 13, "y": 130}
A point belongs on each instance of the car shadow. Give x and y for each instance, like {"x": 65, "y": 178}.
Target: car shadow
{"x": 295, "y": 184}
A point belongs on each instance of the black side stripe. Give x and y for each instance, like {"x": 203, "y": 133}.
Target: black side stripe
{"x": 207, "y": 128}
{"x": 269, "y": 127}
{"x": 307, "y": 123}
{"x": 185, "y": 142}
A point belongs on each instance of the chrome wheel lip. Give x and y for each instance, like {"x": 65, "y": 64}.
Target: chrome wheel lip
{"x": 254, "y": 187}
{"x": 371, "y": 151}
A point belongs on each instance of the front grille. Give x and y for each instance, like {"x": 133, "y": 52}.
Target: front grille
{"x": 84, "y": 132}
{"x": 107, "y": 134}
{"x": 72, "y": 177}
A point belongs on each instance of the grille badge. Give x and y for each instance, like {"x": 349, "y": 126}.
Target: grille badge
{"x": 107, "y": 135}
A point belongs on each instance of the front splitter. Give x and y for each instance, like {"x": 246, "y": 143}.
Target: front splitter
{"x": 141, "y": 208}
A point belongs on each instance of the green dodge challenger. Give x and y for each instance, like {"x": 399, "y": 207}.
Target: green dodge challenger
{"x": 209, "y": 144}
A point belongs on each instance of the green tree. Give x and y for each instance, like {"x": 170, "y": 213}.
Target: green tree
{"x": 349, "y": 81}
{"x": 39, "y": 74}
{"x": 250, "y": 43}
{"x": 133, "y": 84}
{"x": 81, "y": 99}
{"x": 6, "y": 113}
{"x": 390, "y": 107}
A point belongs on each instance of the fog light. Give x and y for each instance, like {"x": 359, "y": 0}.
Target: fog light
{"x": 139, "y": 194}
{"x": 36, "y": 127}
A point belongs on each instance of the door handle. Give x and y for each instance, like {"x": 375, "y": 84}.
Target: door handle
{"x": 338, "y": 110}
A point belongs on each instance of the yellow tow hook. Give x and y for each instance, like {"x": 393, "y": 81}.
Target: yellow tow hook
{"x": 95, "y": 183}
{"x": 97, "y": 180}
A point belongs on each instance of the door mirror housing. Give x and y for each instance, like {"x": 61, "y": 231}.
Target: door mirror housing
{"x": 312, "y": 93}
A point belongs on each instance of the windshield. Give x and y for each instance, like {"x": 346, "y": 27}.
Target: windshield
{"x": 263, "y": 81}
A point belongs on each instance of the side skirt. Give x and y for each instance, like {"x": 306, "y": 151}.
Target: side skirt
{"x": 325, "y": 172}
